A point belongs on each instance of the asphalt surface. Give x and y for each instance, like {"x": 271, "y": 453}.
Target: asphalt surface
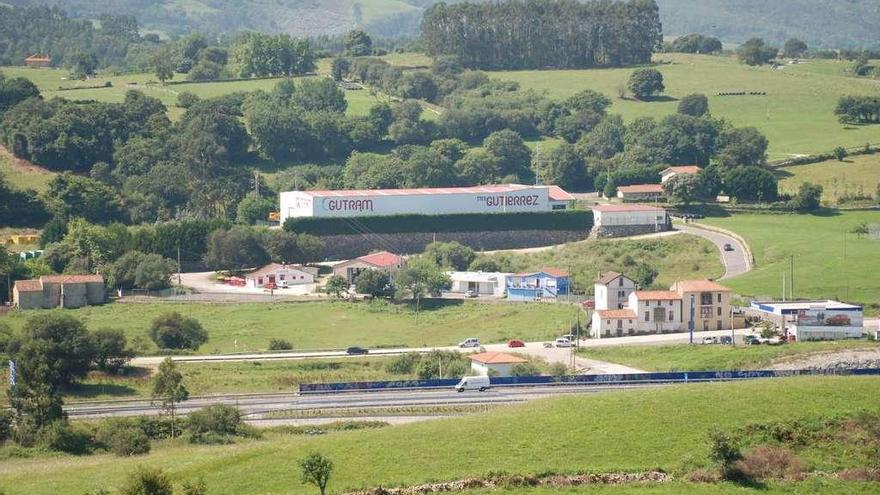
{"x": 735, "y": 262}
{"x": 255, "y": 407}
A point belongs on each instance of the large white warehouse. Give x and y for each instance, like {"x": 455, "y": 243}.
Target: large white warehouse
{"x": 426, "y": 201}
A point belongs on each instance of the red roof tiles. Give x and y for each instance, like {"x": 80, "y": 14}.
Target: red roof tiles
{"x": 382, "y": 259}
{"x": 497, "y": 358}
{"x": 617, "y": 314}
{"x": 641, "y": 188}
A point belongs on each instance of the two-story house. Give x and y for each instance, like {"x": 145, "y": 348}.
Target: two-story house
{"x": 548, "y": 283}
{"x": 711, "y": 302}
{"x": 612, "y": 290}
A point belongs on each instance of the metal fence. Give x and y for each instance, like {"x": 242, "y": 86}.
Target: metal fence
{"x": 585, "y": 380}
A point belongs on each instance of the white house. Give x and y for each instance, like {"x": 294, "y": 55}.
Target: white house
{"x": 494, "y": 363}
{"x": 611, "y": 290}
{"x": 671, "y": 172}
{"x": 480, "y": 283}
{"x": 658, "y": 311}
{"x": 279, "y": 275}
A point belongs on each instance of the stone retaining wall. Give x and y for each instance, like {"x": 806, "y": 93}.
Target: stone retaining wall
{"x": 608, "y": 231}
{"x": 351, "y": 246}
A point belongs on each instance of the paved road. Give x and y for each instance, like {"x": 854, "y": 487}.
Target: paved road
{"x": 536, "y": 348}
{"x": 735, "y": 262}
{"x": 256, "y": 407}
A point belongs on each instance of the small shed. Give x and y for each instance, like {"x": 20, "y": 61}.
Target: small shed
{"x": 280, "y": 275}
{"x": 478, "y": 283}
{"x": 495, "y": 363}
{"x": 38, "y": 60}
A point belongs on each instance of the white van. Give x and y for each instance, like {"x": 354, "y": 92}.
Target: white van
{"x": 471, "y": 342}
{"x": 480, "y": 383}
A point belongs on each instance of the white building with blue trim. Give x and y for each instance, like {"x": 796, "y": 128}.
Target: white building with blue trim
{"x": 814, "y": 320}
{"x": 545, "y": 284}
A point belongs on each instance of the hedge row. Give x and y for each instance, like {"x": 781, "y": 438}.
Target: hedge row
{"x": 471, "y": 222}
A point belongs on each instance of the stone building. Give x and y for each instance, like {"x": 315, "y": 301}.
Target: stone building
{"x": 59, "y": 291}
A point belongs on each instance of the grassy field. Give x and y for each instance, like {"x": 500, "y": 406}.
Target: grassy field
{"x": 324, "y": 325}
{"x": 35, "y": 178}
{"x": 676, "y": 257}
{"x": 714, "y": 357}
{"x": 597, "y": 432}
{"x": 50, "y": 80}
{"x": 828, "y": 262}
{"x": 856, "y": 175}
{"x": 796, "y": 115}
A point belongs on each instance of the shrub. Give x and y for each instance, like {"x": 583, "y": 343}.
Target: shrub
{"x": 61, "y": 436}
{"x": 767, "y": 462}
{"x": 701, "y": 476}
{"x": 123, "y": 438}
{"x": 724, "y": 450}
{"x": 111, "y": 350}
{"x": 5, "y": 425}
{"x": 860, "y": 474}
{"x": 217, "y": 424}
{"x": 525, "y": 369}
{"x": 280, "y": 345}
{"x": 559, "y": 369}
{"x": 146, "y": 481}
{"x": 404, "y": 364}
{"x": 187, "y": 99}
{"x": 195, "y": 487}
{"x": 173, "y": 331}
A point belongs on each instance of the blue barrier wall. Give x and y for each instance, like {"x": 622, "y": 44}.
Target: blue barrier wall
{"x": 634, "y": 378}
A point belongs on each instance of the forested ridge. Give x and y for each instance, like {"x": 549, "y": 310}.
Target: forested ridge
{"x": 534, "y": 34}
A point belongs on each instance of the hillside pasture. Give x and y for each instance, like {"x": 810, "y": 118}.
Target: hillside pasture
{"x": 854, "y": 176}
{"x": 623, "y": 431}
{"x": 796, "y": 114}
{"x": 829, "y": 261}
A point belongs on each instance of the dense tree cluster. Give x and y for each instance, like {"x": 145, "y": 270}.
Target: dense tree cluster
{"x": 694, "y": 43}
{"x": 533, "y": 34}
{"x": 756, "y": 52}
{"x": 858, "y": 110}
{"x": 258, "y": 54}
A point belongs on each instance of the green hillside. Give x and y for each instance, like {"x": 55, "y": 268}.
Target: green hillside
{"x": 629, "y": 431}
{"x": 850, "y": 23}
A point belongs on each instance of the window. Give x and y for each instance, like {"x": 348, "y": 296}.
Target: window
{"x": 620, "y": 282}
{"x": 670, "y": 302}
{"x": 705, "y": 298}
{"x": 558, "y": 207}
{"x": 621, "y": 293}
{"x": 719, "y": 324}
{"x": 719, "y": 310}
{"x": 671, "y": 316}
{"x": 647, "y": 316}
{"x": 281, "y": 277}
{"x": 659, "y": 314}
{"x": 719, "y": 298}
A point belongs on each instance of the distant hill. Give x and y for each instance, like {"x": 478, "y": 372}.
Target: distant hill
{"x": 821, "y": 23}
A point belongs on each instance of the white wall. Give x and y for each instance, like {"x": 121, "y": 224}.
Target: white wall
{"x": 610, "y": 218}
{"x": 301, "y": 204}
{"x": 652, "y": 325}
{"x": 610, "y": 297}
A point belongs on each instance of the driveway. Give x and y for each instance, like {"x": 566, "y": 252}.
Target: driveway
{"x": 736, "y": 262}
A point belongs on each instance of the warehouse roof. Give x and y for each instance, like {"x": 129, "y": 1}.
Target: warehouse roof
{"x": 555, "y": 192}
{"x": 477, "y": 276}
{"x": 497, "y": 358}
{"x": 608, "y": 277}
{"x": 72, "y": 279}
{"x": 28, "y": 286}
{"x": 553, "y": 272}
{"x": 382, "y": 258}
{"x": 274, "y": 267}
{"x": 624, "y": 208}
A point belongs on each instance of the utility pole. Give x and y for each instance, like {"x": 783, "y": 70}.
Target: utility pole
{"x": 178, "y": 266}
{"x": 791, "y": 278}
{"x": 691, "y": 323}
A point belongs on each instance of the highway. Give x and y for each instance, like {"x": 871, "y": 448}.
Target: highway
{"x": 255, "y": 406}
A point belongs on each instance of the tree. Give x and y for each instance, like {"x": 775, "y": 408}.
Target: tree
{"x": 154, "y": 272}
{"x": 514, "y": 156}
{"x": 605, "y": 140}
{"x": 111, "y": 351}
{"x": 358, "y": 43}
{"x": 645, "y": 275}
{"x": 794, "y": 48}
{"x": 72, "y": 195}
{"x": 645, "y": 83}
{"x": 287, "y": 247}
{"x": 696, "y": 43}
{"x": 319, "y": 95}
{"x": 840, "y": 153}
{"x": 375, "y": 283}
{"x": 684, "y": 189}
{"x": 145, "y": 481}
{"x": 54, "y": 349}
{"x": 563, "y": 166}
{"x": 316, "y": 470}
{"x": 751, "y": 183}
{"x": 756, "y": 52}
{"x": 809, "y": 197}
{"x": 695, "y": 105}
{"x": 84, "y": 65}
{"x": 449, "y": 255}
{"x": 742, "y": 146}
{"x": 163, "y": 68}
{"x": 168, "y": 389}
{"x": 339, "y": 68}
{"x": 235, "y": 249}
{"x": 15, "y": 90}
{"x": 336, "y": 285}
{"x": 422, "y": 277}
{"x": 724, "y": 450}
{"x": 610, "y": 189}
{"x": 253, "y": 208}
{"x": 173, "y": 331}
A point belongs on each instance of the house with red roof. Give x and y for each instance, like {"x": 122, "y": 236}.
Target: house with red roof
{"x": 545, "y": 284}
{"x": 381, "y": 260}
{"x": 621, "y": 220}
{"x": 495, "y": 363}
{"x": 278, "y": 275}
{"x": 59, "y": 291}
{"x": 38, "y": 60}
{"x": 641, "y": 192}
{"x": 671, "y": 172}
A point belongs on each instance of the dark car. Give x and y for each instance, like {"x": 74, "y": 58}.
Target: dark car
{"x": 356, "y": 350}
{"x": 728, "y": 247}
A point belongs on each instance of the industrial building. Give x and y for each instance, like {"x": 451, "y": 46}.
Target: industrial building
{"x": 814, "y": 320}
{"x": 59, "y": 291}
{"x": 425, "y": 201}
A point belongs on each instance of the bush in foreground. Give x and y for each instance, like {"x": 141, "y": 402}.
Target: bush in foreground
{"x": 279, "y": 345}
{"x": 146, "y": 481}
{"x": 173, "y": 331}
{"x": 123, "y": 438}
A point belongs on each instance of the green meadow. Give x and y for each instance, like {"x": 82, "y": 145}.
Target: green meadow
{"x": 829, "y": 261}
{"x": 623, "y": 431}
{"x": 796, "y": 115}
{"x": 854, "y": 176}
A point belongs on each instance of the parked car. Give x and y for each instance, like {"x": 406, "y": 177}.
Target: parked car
{"x": 471, "y": 342}
{"x": 752, "y": 340}
{"x": 563, "y": 342}
{"x": 480, "y": 383}
{"x": 568, "y": 336}
{"x": 356, "y": 350}
{"x": 710, "y": 340}
{"x": 727, "y": 340}
{"x": 728, "y": 247}
{"x": 471, "y": 294}
{"x": 516, "y": 343}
